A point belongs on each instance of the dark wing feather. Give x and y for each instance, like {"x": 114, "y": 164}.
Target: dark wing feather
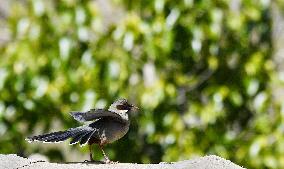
{"x": 86, "y": 138}
{"x": 93, "y": 114}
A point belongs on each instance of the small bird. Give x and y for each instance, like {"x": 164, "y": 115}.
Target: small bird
{"x": 107, "y": 127}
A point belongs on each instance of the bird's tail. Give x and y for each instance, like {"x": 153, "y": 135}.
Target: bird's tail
{"x": 79, "y": 134}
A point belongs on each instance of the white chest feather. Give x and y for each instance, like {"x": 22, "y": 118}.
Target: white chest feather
{"x": 122, "y": 113}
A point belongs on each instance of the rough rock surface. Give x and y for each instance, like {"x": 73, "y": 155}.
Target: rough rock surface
{"x": 13, "y": 161}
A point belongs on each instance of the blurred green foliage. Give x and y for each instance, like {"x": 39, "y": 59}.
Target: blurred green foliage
{"x": 201, "y": 72}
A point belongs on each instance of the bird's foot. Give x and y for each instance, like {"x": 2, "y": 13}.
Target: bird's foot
{"x": 111, "y": 162}
{"x": 94, "y": 161}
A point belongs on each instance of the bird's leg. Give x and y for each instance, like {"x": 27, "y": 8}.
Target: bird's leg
{"x": 91, "y": 155}
{"x": 105, "y": 156}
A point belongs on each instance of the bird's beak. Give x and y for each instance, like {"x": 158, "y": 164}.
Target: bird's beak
{"x": 134, "y": 107}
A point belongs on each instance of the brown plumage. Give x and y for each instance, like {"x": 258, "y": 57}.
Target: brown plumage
{"x": 108, "y": 126}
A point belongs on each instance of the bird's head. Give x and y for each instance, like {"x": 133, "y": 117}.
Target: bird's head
{"x": 121, "y": 106}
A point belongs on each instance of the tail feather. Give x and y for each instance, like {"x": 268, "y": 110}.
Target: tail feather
{"x": 44, "y": 136}
{"x": 47, "y": 137}
{"x": 78, "y": 137}
{"x": 59, "y": 138}
{"x": 86, "y": 138}
{"x": 76, "y": 133}
{"x": 69, "y": 133}
{"x": 52, "y": 137}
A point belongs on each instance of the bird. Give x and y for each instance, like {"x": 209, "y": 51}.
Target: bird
{"x": 106, "y": 127}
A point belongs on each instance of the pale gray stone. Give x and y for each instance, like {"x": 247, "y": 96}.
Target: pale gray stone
{"x": 12, "y": 161}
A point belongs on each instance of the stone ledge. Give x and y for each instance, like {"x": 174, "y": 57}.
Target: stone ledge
{"x": 12, "y": 161}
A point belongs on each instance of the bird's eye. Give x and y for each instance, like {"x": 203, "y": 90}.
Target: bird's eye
{"x": 122, "y": 107}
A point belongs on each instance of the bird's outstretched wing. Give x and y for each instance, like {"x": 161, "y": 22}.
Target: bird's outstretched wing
{"x": 93, "y": 114}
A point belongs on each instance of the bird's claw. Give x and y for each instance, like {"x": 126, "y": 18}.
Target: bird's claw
{"x": 111, "y": 162}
